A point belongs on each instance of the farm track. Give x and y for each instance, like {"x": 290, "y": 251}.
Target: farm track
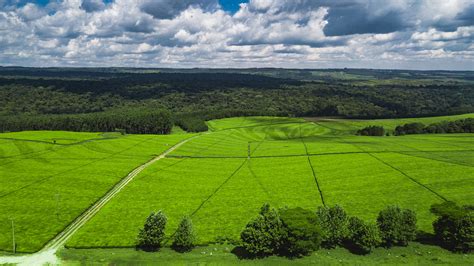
{"x": 46, "y": 254}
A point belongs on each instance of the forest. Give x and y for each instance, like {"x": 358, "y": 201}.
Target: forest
{"x": 43, "y": 98}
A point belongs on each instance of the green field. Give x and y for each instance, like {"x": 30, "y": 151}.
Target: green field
{"x": 49, "y": 178}
{"x": 45, "y": 185}
{"x": 414, "y": 254}
{"x": 211, "y": 178}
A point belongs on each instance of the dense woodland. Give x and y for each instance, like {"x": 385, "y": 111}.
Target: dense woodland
{"x": 54, "y": 95}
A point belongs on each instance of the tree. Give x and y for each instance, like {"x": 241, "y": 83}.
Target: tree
{"x": 454, "y": 227}
{"x": 304, "y": 232}
{"x": 334, "y": 224}
{"x": 397, "y": 226}
{"x": 363, "y": 237}
{"x": 265, "y": 234}
{"x": 153, "y": 232}
{"x": 184, "y": 237}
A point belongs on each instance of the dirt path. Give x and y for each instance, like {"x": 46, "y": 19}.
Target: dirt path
{"x": 47, "y": 254}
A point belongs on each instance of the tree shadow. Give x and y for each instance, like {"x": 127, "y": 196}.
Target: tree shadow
{"x": 426, "y": 238}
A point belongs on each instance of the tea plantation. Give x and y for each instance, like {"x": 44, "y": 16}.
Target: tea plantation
{"x": 222, "y": 178}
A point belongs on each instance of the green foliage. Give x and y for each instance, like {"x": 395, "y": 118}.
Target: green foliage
{"x": 397, "y": 226}
{"x": 334, "y": 223}
{"x": 153, "y": 232}
{"x": 458, "y": 126}
{"x": 363, "y": 237}
{"x": 371, "y": 131}
{"x": 304, "y": 232}
{"x": 184, "y": 237}
{"x": 348, "y": 93}
{"x": 264, "y": 235}
{"x": 454, "y": 227}
{"x": 136, "y": 121}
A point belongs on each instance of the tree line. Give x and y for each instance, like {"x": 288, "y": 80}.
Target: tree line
{"x": 126, "y": 121}
{"x": 297, "y": 232}
{"x": 458, "y": 126}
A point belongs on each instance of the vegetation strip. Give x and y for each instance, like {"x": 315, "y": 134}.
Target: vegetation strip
{"x": 409, "y": 177}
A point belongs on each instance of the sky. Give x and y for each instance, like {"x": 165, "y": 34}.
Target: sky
{"x": 396, "y": 34}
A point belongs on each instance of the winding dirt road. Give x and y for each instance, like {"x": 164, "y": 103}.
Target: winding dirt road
{"x": 47, "y": 254}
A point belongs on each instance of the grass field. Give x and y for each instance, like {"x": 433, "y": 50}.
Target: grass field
{"x": 45, "y": 185}
{"x": 292, "y": 162}
{"x": 414, "y": 254}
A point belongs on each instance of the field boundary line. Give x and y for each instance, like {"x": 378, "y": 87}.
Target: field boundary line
{"x": 409, "y": 177}
{"x": 218, "y": 188}
{"x": 396, "y": 169}
{"x": 60, "y": 239}
{"x": 436, "y": 160}
{"x": 312, "y": 169}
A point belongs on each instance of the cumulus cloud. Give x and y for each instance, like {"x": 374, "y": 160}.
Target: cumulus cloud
{"x": 278, "y": 33}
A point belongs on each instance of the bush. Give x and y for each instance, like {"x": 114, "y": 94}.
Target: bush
{"x": 304, "y": 232}
{"x": 363, "y": 238}
{"x": 264, "y": 235}
{"x": 184, "y": 237}
{"x": 397, "y": 226}
{"x": 153, "y": 232}
{"x": 371, "y": 131}
{"x": 334, "y": 224}
{"x": 454, "y": 227}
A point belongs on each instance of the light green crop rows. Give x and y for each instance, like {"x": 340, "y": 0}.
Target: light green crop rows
{"x": 211, "y": 179}
{"x": 44, "y": 186}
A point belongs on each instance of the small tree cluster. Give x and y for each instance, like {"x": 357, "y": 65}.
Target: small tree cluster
{"x": 184, "y": 237}
{"x": 458, "y": 126}
{"x": 363, "y": 237}
{"x": 151, "y": 236}
{"x": 371, "y": 131}
{"x": 303, "y": 232}
{"x": 454, "y": 227}
{"x": 153, "y": 232}
{"x": 397, "y": 226}
{"x": 334, "y": 223}
{"x": 264, "y": 235}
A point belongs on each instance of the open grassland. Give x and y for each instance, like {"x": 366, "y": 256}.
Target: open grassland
{"x": 292, "y": 163}
{"x": 49, "y": 178}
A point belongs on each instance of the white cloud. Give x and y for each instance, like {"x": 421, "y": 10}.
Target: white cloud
{"x": 279, "y": 33}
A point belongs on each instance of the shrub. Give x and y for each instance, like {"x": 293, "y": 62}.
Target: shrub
{"x": 153, "y": 232}
{"x": 265, "y": 234}
{"x": 371, "y": 131}
{"x": 334, "y": 224}
{"x": 454, "y": 227}
{"x": 184, "y": 237}
{"x": 362, "y": 237}
{"x": 410, "y": 128}
{"x": 397, "y": 226}
{"x": 304, "y": 232}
